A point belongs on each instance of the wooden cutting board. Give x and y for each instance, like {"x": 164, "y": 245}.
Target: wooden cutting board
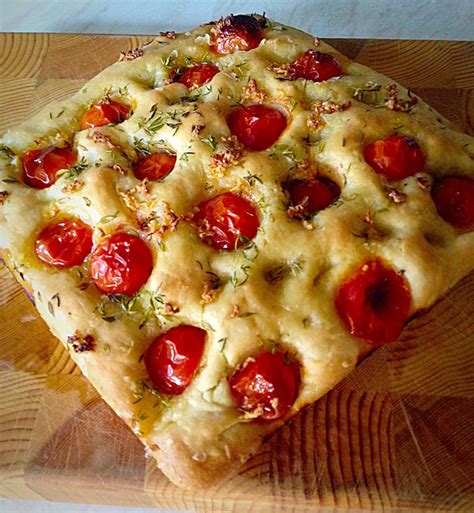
{"x": 398, "y": 434}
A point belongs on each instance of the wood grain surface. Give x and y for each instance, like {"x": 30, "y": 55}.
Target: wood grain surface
{"x": 397, "y": 435}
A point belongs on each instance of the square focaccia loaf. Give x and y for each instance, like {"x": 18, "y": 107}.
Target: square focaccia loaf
{"x": 220, "y": 225}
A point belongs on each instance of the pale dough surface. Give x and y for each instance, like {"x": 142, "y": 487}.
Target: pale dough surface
{"x": 199, "y": 437}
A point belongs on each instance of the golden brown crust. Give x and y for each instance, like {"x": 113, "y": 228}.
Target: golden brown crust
{"x": 200, "y": 437}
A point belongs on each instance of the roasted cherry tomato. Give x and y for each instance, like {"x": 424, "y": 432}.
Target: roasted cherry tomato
{"x": 64, "y": 244}
{"x": 104, "y": 113}
{"x": 395, "y": 157}
{"x": 198, "y": 75}
{"x": 226, "y": 221}
{"x": 454, "y": 200}
{"x": 155, "y": 167}
{"x": 173, "y": 357}
{"x": 315, "y": 66}
{"x": 266, "y": 386}
{"x": 374, "y": 303}
{"x": 121, "y": 264}
{"x": 40, "y": 167}
{"x": 257, "y": 127}
{"x": 314, "y": 194}
{"x": 236, "y": 33}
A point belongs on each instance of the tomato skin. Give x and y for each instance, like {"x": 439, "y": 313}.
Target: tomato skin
{"x": 40, "y": 167}
{"x": 65, "y": 244}
{"x": 155, "y": 167}
{"x": 257, "y": 126}
{"x": 226, "y": 221}
{"x": 266, "y": 386}
{"x": 454, "y": 200}
{"x": 104, "y": 113}
{"x": 240, "y": 32}
{"x": 173, "y": 357}
{"x": 396, "y": 157}
{"x": 315, "y": 66}
{"x": 374, "y": 303}
{"x": 121, "y": 264}
{"x": 198, "y": 75}
{"x": 315, "y": 194}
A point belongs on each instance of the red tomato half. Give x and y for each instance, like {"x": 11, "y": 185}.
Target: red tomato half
{"x": 173, "y": 357}
{"x": 104, "y": 113}
{"x": 257, "y": 127}
{"x": 237, "y": 33}
{"x": 64, "y": 244}
{"x": 40, "y": 167}
{"x": 266, "y": 386}
{"x": 395, "y": 157}
{"x": 155, "y": 167}
{"x": 374, "y": 303}
{"x": 198, "y": 75}
{"x": 454, "y": 200}
{"x": 314, "y": 194}
{"x": 226, "y": 221}
{"x": 315, "y": 66}
{"x": 121, "y": 264}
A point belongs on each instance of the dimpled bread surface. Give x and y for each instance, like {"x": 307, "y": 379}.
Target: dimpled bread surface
{"x": 200, "y": 436}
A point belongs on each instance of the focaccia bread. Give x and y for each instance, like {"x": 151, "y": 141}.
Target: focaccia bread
{"x": 219, "y": 226}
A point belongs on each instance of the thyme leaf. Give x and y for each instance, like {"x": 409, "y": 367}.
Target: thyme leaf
{"x": 222, "y": 343}
{"x": 10, "y": 179}
{"x": 210, "y": 141}
{"x": 6, "y": 151}
{"x": 252, "y": 179}
{"x": 185, "y": 156}
{"x": 106, "y": 219}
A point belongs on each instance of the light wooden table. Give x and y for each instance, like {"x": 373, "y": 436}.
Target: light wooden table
{"x": 397, "y": 434}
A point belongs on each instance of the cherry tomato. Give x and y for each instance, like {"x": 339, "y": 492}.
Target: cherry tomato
{"x": 40, "y": 167}
{"x": 257, "y": 127}
{"x": 454, "y": 200}
{"x": 315, "y": 66}
{"x": 173, "y": 357}
{"x": 104, "y": 113}
{"x": 226, "y": 221}
{"x": 65, "y": 244}
{"x": 266, "y": 386}
{"x": 373, "y": 303}
{"x": 314, "y": 194}
{"x": 155, "y": 167}
{"x": 121, "y": 264}
{"x": 239, "y": 32}
{"x": 198, "y": 75}
{"x": 396, "y": 157}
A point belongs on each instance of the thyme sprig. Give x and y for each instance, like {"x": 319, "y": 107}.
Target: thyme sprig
{"x": 240, "y": 276}
{"x": 141, "y": 146}
{"x": 75, "y": 170}
{"x": 281, "y": 271}
{"x": 145, "y": 305}
{"x": 210, "y": 140}
{"x": 142, "y": 388}
{"x": 283, "y": 150}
